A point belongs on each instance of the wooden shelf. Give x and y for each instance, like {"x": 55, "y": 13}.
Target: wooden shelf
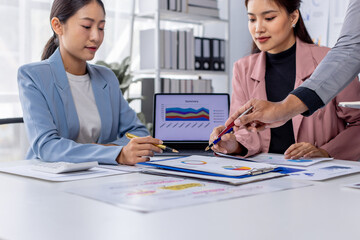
{"x": 181, "y": 17}
{"x": 170, "y": 72}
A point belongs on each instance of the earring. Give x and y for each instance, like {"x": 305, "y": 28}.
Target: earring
{"x": 294, "y": 25}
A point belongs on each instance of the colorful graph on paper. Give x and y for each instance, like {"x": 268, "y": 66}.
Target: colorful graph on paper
{"x": 187, "y": 114}
{"x": 237, "y": 168}
{"x": 194, "y": 162}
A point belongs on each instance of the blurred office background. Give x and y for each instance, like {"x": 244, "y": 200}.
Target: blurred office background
{"x": 26, "y": 29}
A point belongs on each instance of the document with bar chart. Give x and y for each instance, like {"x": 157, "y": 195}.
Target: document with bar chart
{"x": 189, "y": 117}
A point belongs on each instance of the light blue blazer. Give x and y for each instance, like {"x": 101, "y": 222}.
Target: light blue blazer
{"x": 51, "y": 119}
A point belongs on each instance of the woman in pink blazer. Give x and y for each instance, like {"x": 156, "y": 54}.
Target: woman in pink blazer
{"x": 284, "y": 57}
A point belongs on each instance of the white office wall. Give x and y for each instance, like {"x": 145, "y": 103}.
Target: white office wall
{"x": 240, "y": 38}
{"x": 24, "y": 32}
{"x": 26, "y": 29}
{"x": 323, "y": 19}
{"x": 336, "y": 18}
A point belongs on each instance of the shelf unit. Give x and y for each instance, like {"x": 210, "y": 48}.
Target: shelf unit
{"x": 180, "y": 17}
{"x": 170, "y": 72}
{"x": 200, "y": 21}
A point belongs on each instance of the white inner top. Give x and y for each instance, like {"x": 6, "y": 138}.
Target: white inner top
{"x": 87, "y": 111}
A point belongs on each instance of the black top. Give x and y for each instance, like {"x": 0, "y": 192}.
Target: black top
{"x": 280, "y": 80}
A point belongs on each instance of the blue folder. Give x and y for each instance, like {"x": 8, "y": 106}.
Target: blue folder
{"x": 282, "y": 170}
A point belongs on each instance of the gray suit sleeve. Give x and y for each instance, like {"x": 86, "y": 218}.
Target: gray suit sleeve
{"x": 342, "y": 64}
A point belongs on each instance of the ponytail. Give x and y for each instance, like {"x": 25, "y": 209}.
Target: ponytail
{"x": 301, "y": 31}
{"x": 50, "y": 47}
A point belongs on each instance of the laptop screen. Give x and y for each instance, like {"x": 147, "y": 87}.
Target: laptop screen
{"x": 188, "y": 117}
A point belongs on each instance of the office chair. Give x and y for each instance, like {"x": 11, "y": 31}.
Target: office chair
{"x": 11, "y": 120}
{"x": 12, "y": 148}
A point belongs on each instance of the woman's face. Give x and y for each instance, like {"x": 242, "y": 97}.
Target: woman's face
{"x": 271, "y": 26}
{"x": 83, "y": 33}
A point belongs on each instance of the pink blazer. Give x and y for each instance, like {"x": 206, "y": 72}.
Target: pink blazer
{"x": 332, "y": 128}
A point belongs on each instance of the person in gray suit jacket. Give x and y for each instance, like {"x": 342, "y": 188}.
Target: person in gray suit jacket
{"x": 74, "y": 111}
{"x": 340, "y": 66}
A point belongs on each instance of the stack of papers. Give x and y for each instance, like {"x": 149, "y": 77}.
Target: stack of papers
{"x": 147, "y": 193}
{"x": 213, "y": 168}
{"x": 324, "y": 171}
{"x": 278, "y": 159}
{"x": 28, "y": 171}
{"x": 315, "y": 169}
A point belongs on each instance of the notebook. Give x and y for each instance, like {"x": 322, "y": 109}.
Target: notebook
{"x": 185, "y": 121}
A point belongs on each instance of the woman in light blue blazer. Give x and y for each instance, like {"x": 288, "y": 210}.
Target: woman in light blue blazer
{"x": 74, "y": 111}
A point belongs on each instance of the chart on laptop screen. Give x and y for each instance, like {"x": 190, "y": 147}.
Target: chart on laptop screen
{"x": 189, "y": 117}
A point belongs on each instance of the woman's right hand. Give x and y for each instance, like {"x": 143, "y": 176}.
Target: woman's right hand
{"x": 139, "y": 150}
{"x": 228, "y": 143}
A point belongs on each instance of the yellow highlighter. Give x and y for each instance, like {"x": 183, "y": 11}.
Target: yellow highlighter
{"x": 163, "y": 147}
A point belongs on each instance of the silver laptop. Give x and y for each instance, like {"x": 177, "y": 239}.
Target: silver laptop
{"x": 185, "y": 121}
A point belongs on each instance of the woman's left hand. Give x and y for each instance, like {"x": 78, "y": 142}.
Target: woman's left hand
{"x": 304, "y": 149}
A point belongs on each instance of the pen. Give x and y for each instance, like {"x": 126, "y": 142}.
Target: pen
{"x": 228, "y": 129}
{"x": 163, "y": 147}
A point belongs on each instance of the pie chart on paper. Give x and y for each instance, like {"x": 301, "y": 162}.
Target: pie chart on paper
{"x": 237, "y": 168}
{"x": 194, "y": 162}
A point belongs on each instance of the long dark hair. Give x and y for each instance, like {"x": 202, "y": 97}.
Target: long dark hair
{"x": 299, "y": 30}
{"x": 63, "y": 10}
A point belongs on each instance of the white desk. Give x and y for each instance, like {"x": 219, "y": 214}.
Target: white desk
{"x": 34, "y": 209}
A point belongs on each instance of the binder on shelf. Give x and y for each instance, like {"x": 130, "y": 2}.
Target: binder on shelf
{"x": 165, "y": 85}
{"x": 162, "y": 48}
{"x": 189, "y": 49}
{"x": 184, "y": 4}
{"x": 170, "y": 85}
{"x": 161, "y": 85}
{"x": 147, "y": 53}
{"x": 172, "y": 4}
{"x": 222, "y": 55}
{"x": 203, "y": 3}
{"x": 189, "y": 86}
{"x": 178, "y": 5}
{"x": 201, "y": 86}
{"x": 183, "y": 85}
{"x": 206, "y": 54}
{"x": 196, "y": 86}
{"x": 147, "y": 46}
{"x": 209, "y": 88}
{"x": 181, "y": 50}
{"x": 147, "y": 91}
{"x": 198, "y": 53}
{"x": 174, "y": 46}
{"x": 175, "y": 86}
{"x": 163, "y": 4}
{"x": 149, "y": 6}
{"x": 167, "y": 49}
{"x": 210, "y": 12}
{"x": 215, "y": 58}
